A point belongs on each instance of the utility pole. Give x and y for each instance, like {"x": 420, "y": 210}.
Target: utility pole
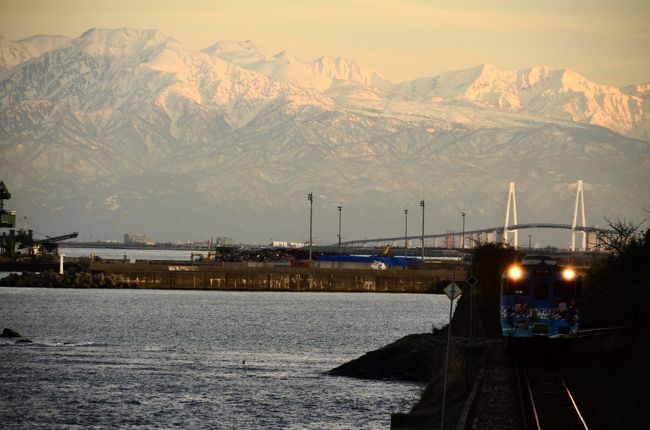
{"x": 340, "y": 208}
{"x": 422, "y": 239}
{"x": 406, "y": 232}
{"x": 310, "y": 197}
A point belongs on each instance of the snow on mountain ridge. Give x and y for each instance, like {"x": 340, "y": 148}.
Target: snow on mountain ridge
{"x": 147, "y": 63}
{"x": 43, "y": 43}
{"x": 285, "y": 66}
{"x": 552, "y": 93}
{"x": 235, "y": 51}
{"x": 350, "y": 70}
{"x": 215, "y": 76}
{"x": 119, "y": 42}
{"x": 15, "y": 53}
{"x": 145, "y": 132}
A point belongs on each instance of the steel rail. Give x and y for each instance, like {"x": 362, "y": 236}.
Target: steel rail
{"x": 522, "y": 405}
{"x": 573, "y": 402}
{"x": 598, "y": 331}
{"x": 534, "y": 392}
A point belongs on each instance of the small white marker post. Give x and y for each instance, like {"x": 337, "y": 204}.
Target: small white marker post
{"x": 452, "y": 291}
{"x": 61, "y": 265}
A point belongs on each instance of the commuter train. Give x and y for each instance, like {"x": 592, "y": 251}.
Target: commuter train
{"x": 539, "y": 299}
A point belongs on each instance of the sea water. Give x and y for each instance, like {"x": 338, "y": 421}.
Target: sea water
{"x": 202, "y": 359}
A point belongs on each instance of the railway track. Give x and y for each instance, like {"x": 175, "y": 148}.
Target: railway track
{"x": 546, "y": 401}
{"x": 583, "y": 333}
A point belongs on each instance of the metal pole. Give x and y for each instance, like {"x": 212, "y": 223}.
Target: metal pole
{"x": 529, "y": 243}
{"x": 406, "y": 232}
{"x": 462, "y": 240}
{"x": 310, "y": 197}
{"x": 471, "y": 296}
{"x": 422, "y": 239}
{"x": 339, "y": 208}
{"x": 444, "y": 385}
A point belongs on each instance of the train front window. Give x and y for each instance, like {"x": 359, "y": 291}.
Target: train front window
{"x": 567, "y": 288}
{"x": 541, "y": 291}
{"x": 516, "y": 287}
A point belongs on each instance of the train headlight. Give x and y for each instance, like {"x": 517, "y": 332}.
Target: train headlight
{"x": 568, "y": 274}
{"x": 515, "y": 273}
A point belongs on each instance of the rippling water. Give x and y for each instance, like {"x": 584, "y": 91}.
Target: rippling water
{"x": 201, "y": 359}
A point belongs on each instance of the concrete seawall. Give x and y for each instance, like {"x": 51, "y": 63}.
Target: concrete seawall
{"x": 241, "y": 278}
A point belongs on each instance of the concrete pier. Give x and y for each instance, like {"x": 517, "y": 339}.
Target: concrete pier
{"x": 242, "y": 278}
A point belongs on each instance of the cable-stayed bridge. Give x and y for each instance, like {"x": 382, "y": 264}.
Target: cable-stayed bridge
{"x": 477, "y": 234}
{"x": 508, "y": 232}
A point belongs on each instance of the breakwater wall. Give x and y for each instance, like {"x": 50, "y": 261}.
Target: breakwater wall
{"x": 242, "y": 278}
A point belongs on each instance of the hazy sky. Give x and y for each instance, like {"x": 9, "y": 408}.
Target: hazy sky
{"x": 607, "y": 41}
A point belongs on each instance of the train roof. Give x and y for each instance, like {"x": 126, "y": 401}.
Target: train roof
{"x": 536, "y": 260}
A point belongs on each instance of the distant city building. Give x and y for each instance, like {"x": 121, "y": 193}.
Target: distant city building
{"x": 594, "y": 242}
{"x": 223, "y": 241}
{"x": 281, "y": 244}
{"x": 450, "y": 241}
{"x": 137, "y": 239}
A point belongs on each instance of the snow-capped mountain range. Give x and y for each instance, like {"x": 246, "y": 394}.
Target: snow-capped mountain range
{"x": 128, "y": 130}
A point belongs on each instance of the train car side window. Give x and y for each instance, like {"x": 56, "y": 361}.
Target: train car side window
{"x": 517, "y": 287}
{"x": 541, "y": 291}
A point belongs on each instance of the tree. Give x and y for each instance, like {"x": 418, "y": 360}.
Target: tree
{"x": 617, "y": 288}
{"x": 488, "y": 264}
{"x": 620, "y": 236}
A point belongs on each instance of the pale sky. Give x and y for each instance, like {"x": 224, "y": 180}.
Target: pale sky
{"x": 606, "y": 41}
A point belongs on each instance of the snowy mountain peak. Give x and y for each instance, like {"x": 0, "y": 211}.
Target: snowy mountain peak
{"x": 229, "y": 72}
{"x": 235, "y": 51}
{"x": 119, "y": 42}
{"x": 534, "y": 75}
{"x": 641, "y": 90}
{"x": 574, "y": 82}
{"x": 43, "y": 43}
{"x": 14, "y": 53}
{"x": 287, "y": 57}
{"x": 487, "y": 70}
{"x": 146, "y": 125}
{"x": 349, "y": 70}
{"x": 551, "y": 93}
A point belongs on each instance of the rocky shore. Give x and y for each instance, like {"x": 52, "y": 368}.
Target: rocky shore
{"x": 70, "y": 279}
{"x": 8, "y": 333}
{"x": 421, "y": 358}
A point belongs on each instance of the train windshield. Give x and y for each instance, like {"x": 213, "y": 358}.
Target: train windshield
{"x": 565, "y": 288}
{"x": 515, "y": 287}
{"x": 541, "y": 291}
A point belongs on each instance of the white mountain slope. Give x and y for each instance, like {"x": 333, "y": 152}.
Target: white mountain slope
{"x": 319, "y": 74}
{"x": 127, "y": 130}
{"x": 552, "y": 93}
{"x": 14, "y": 53}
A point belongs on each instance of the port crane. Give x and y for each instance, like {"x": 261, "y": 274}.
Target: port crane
{"x": 17, "y": 239}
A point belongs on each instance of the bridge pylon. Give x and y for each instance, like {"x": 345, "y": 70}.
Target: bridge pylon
{"x": 580, "y": 201}
{"x": 512, "y": 198}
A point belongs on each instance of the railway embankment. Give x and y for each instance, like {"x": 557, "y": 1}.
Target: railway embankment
{"x": 607, "y": 371}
